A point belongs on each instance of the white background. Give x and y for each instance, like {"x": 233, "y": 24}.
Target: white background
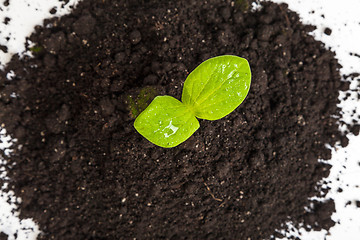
{"x": 341, "y": 16}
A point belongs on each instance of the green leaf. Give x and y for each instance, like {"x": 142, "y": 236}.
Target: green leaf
{"x": 166, "y": 122}
{"x": 217, "y": 86}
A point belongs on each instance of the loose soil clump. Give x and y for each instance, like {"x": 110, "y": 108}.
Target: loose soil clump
{"x": 82, "y": 170}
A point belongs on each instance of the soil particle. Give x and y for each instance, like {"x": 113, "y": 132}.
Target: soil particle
{"x": 53, "y": 11}
{"x": 84, "y": 25}
{"x": 328, "y": 31}
{"x": 82, "y": 170}
{"x": 135, "y": 37}
{"x": 6, "y": 20}
{"x": 355, "y": 129}
{"x": 3, "y": 48}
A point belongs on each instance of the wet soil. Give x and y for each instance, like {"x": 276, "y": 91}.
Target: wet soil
{"x": 82, "y": 170}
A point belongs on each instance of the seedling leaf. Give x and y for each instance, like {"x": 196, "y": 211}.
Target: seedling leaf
{"x": 217, "y": 86}
{"x": 166, "y": 122}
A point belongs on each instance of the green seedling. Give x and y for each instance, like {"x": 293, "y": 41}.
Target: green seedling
{"x": 139, "y": 102}
{"x": 243, "y": 5}
{"x": 36, "y": 49}
{"x": 213, "y": 90}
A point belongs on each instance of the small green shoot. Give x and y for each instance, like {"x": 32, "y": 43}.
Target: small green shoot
{"x": 243, "y": 5}
{"x": 36, "y": 49}
{"x": 138, "y": 103}
{"x": 213, "y": 90}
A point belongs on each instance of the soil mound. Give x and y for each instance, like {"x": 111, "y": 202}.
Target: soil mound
{"x": 82, "y": 170}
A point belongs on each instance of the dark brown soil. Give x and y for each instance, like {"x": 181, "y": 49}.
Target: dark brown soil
{"x": 3, "y": 236}
{"x": 82, "y": 170}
